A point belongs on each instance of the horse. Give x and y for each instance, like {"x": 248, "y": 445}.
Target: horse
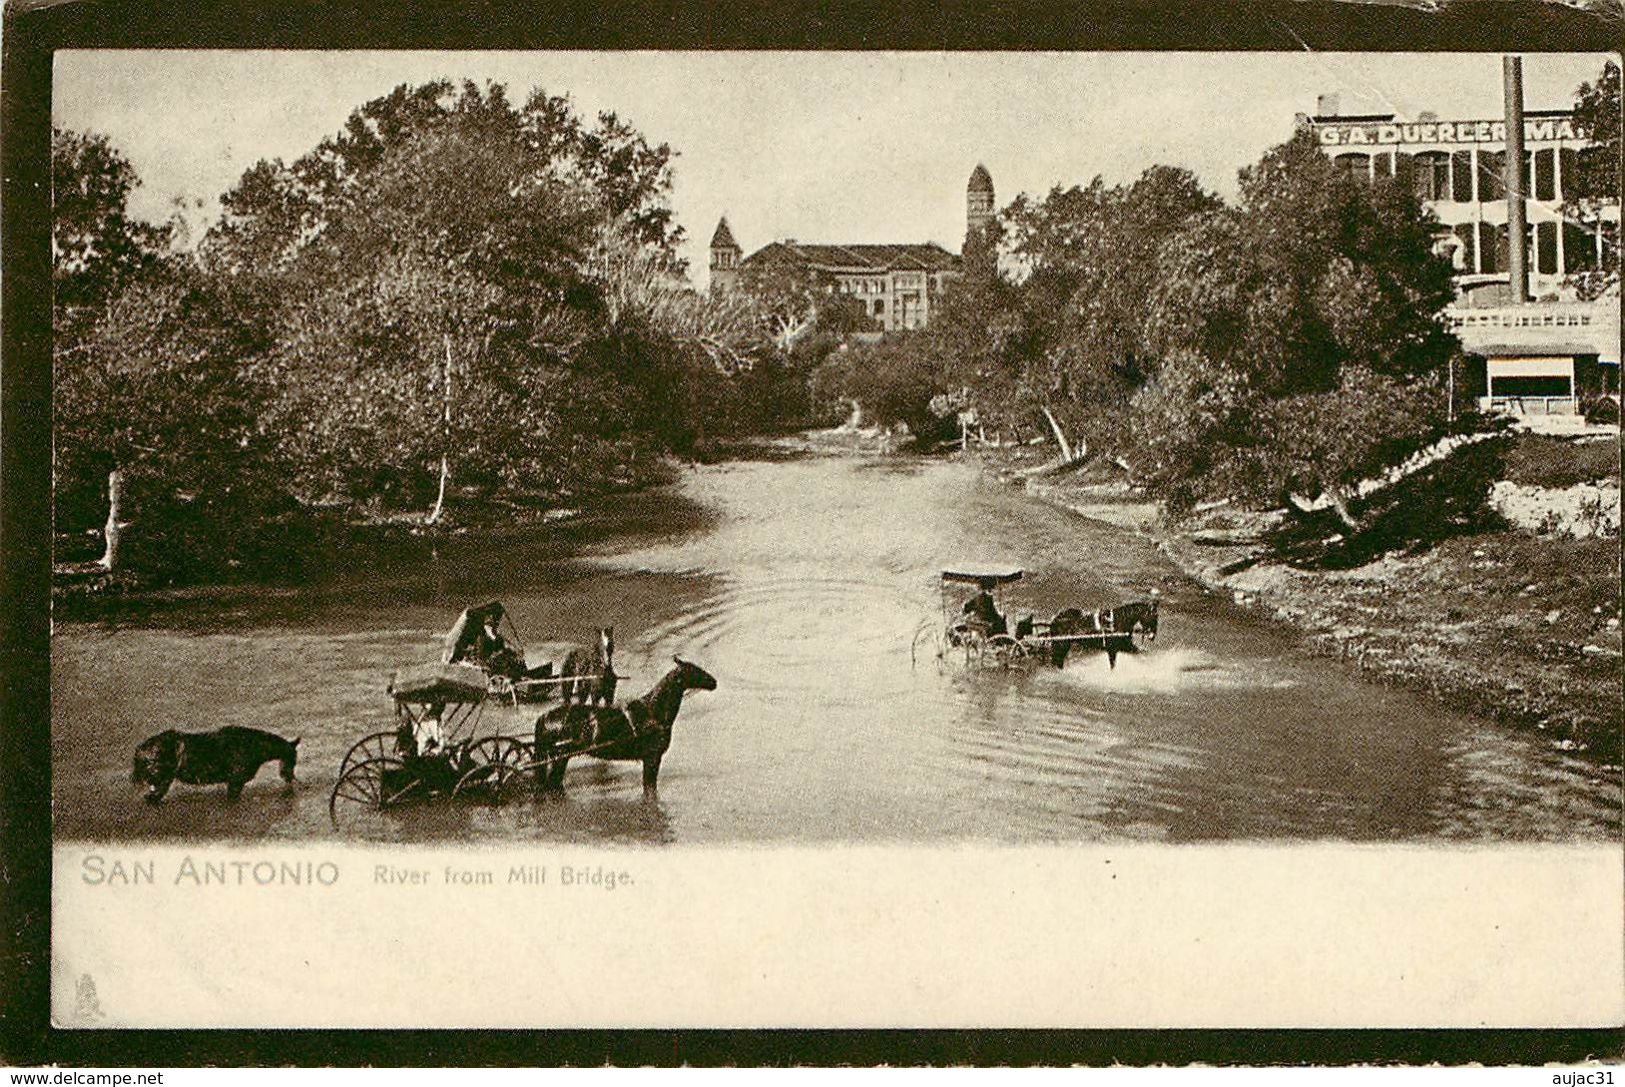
{"x": 1117, "y": 625}
{"x": 596, "y": 666}
{"x": 230, "y": 755}
{"x": 639, "y": 730}
{"x": 1069, "y": 621}
{"x": 1136, "y": 616}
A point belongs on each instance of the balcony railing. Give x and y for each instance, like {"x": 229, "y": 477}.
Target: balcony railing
{"x": 1534, "y": 315}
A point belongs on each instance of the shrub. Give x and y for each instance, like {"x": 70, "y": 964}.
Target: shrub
{"x": 1601, "y": 409}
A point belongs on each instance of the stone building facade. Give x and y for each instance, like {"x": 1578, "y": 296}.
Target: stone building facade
{"x": 1542, "y": 357}
{"x": 898, "y": 284}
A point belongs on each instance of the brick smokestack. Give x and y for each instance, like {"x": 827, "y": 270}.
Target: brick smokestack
{"x": 1517, "y": 198}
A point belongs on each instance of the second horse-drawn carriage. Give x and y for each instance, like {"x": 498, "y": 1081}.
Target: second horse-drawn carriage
{"x": 978, "y": 630}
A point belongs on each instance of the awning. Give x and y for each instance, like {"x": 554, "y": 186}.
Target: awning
{"x": 1531, "y": 366}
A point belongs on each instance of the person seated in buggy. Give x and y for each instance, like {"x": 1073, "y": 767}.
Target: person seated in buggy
{"x": 982, "y": 612}
{"x": 476, "y": 639}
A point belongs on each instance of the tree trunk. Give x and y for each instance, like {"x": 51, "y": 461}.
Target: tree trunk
{"x": 1060, "y": 436}
{"x": 445, "y": 450}
{"x": 440, "y": 498}
{"x": 115, "y": 487}
{"x": 1340, "y": 504}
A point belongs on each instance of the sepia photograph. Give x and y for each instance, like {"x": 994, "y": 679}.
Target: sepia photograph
{"x": 585, "y": 506}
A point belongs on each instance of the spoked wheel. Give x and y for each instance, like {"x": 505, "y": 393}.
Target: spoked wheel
{"x": 928, "y": 642}
{"x": 371, "y": 786}
{"x": 504, "y": 750}
{"x": 380, "y": 745}
{"x": 496, "y": 766}
{"x": 1003, "y": 650}
{"x": 493, "y": 783}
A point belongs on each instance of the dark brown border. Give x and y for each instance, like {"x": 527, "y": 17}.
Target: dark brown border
{"x": 33, "y": 31}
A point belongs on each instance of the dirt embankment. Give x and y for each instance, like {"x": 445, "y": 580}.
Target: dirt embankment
{"x": 1518, "y": 624}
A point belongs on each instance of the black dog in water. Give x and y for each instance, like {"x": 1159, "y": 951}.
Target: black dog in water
{"x": 230, "y": 755}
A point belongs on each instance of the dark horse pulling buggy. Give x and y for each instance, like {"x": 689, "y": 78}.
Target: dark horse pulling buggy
{"x": 437, "y": 748}
{"x": 979, "y": 632}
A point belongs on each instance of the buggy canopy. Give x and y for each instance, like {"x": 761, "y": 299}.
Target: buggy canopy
{"x": 443, "y": 683}
{"x": 466, "y": 631}
{"x": 974, "y": 573}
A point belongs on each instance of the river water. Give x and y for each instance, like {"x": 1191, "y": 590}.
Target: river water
{"x": 799, "y": 580}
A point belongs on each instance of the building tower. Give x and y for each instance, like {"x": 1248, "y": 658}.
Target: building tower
{"x": 725, "y": 254}
{"x": 978, "y": 200}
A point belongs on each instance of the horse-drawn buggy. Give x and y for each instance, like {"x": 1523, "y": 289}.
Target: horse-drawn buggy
{"x": 439, "y": 749}
{"x": 978, "y": 631}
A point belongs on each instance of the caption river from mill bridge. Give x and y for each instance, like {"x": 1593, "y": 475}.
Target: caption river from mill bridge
{"x": 798, "y": 580}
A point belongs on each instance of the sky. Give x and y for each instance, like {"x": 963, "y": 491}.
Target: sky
{"x": 821, "y": 147}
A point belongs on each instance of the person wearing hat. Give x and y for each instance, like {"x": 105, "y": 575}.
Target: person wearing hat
{"x": 477, "y": 639}
{"x": 982, "y": 609}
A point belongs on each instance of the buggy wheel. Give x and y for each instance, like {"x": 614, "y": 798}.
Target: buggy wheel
{"x": 380, "y": 745}
{"x": 1004, "y": 650}
{"x": 373, "y": 785}
{"x": 928, "y": 641}
{"x": 494, "y": 783}
{"x": 499, "y": 750}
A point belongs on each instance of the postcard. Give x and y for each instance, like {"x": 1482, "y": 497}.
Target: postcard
{"x": 558, "y": 539}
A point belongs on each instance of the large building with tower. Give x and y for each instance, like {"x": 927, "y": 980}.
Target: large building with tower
{"x": 1540, "y": 357}
{"x": 898, "y": 284}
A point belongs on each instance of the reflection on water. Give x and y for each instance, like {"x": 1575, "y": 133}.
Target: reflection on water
{"x": 799, "y": 584}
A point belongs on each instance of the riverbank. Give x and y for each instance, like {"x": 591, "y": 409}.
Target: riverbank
{"x": 1515, "y": 624}
{"x": 303, "y": 545}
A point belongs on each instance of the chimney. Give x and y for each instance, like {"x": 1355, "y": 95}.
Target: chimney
{"x": 1327, "y": 105}
{"x": 1517, "y": 210}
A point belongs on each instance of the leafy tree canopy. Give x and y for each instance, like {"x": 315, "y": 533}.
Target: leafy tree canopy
{"x": 96, "y": 247}
{"x": 277, "y": 208}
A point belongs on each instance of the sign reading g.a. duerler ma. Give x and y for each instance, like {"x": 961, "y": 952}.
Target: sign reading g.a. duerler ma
{"x": 1356, "y": 133}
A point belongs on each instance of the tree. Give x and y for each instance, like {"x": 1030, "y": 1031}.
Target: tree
{"x": 98, "y": 252}
{"x": 1086, "y": 261}
{"x": 428, "y": 321}
{"x": 786, "y": 292}
{"x": 1299, "y": 335}
{"x": 1597, "y": 181}
{"x": 276, "y": 209}
{"x": 152, "y": 398}
{"x": 97, "y": 249}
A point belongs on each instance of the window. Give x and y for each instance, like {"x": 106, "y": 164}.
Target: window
{"x": 1490, "y": 182}
{"x": 1546, "y": 174}
{"x": 1461, "y": 182}
{"x": 1546, "y": 248}
{"x": 1569, "y": 166}
{"x": 1431, "y": 171}
{"x": 1552, "y": 385}
{"x": 1580, "y": 249}
{"x": 880, "y": 306}
{"x": 1463, "y": 257}
{"x": 1357, "y": 167}
{"x": 1492, "y": 246}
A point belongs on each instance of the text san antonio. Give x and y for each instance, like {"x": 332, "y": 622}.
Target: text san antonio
{"x": 99, "y": 871}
